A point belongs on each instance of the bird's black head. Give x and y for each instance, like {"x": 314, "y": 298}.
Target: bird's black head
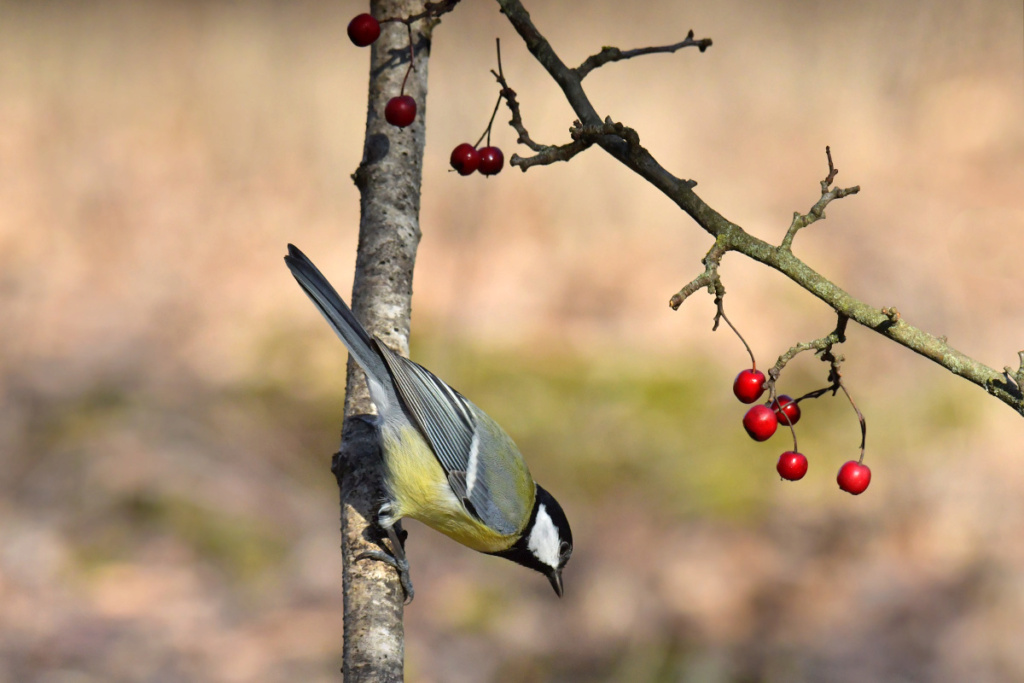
{"x": 546, "y": 542}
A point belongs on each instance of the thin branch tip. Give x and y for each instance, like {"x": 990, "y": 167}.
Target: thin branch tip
{"x": 709, "y": 278}
{"x": 817, "y": 212}
{"x": 832, "y": 170}
{"x": 610, "y": 54}
{"x": 821, "y": 347}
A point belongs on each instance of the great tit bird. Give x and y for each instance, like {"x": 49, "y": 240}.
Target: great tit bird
{"x": 446, "y": 463}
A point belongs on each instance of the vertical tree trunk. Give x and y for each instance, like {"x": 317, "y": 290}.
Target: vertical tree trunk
{"x": 389, "y": 182}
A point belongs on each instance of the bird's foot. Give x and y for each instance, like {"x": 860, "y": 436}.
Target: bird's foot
{"x": 396, "y": 559}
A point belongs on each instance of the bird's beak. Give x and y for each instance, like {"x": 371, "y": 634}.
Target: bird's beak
{"x": 555, "y": 578}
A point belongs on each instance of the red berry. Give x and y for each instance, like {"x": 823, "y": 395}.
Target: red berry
{"x": 465, "y": 158}
{"x": 760, "y": 423}
{"x": 786, "y": 406}
{"x": 854, "y": 477}
{"x": 491, "y": 160}
{"x": 792, "y": 465}
{"x": 749, "y": 385}
{"x": 363, "y": 30}
{"x": 400, "y": 111}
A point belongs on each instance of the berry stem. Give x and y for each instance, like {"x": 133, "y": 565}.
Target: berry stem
{"x": 863, "y": 423}
{"x": 412, "y": 59}
{"x": 487, "y": 131}
{"x": 785, "y": 420}
{"x": 501, "y": 74}
{"x": 721, "y": 315}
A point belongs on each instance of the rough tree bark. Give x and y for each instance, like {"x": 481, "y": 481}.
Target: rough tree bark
{"x": 388, "y": 179}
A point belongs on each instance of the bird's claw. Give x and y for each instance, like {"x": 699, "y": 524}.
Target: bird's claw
{"x": 396, "y": 559}
{"x": 400, "y": 565}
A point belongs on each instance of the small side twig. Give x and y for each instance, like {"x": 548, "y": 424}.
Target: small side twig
{"x": 614, "y": 54}
{"x": 546, "y": 154}
{"x": 824, "y": 345}
{"x": 583, "y": 137}
{"x": 509, "y": 95}
{"x": 549, "y": 155}
{"x": 817, "y": 212}
{"x": 834, "y": 375}
{"x": 709, "y": 278}
{"x": 1016, "y": 375}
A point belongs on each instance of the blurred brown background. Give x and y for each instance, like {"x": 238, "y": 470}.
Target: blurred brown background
{"x": 169, "y": 400}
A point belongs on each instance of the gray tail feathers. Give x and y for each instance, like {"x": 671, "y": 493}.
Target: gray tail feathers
{"x": 337, "y": 313}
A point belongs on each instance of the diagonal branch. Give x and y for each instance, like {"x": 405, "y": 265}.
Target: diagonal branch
{"x": 614, "y": 54}
{"x": 732, "y": 237}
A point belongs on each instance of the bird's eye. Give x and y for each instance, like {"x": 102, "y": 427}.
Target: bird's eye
{"x": 564, "y": 549}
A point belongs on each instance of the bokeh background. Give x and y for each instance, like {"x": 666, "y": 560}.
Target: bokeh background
{"x": 169, "y": 399}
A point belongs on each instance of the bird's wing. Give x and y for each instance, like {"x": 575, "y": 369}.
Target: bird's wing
{"x": 447, "y": 421}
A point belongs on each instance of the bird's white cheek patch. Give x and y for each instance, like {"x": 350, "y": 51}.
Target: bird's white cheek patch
{"x": 544, "y": 539}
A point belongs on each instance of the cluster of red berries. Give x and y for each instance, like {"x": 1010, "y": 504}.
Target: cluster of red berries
{"x": 762, "y": 420}
{"x": 400, "y": 111}
{"x": 466, "y": 158}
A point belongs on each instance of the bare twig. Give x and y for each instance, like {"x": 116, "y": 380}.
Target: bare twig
{"x": 735, "y": 238}
{"x": 549, "y": 155}
{"x": 546, "y": 154}
{"x": 817, "y": 211}
{"x": 517, "y": 120}
{"x": 836, "y": 336}
{"x": 834, "y": 375}
{"x": 583, "y": 137}
{"x": 614, "y": 54}
{"x": 832, "y": 170}
{"x": 1016, "y": 376}
{"x": 709, "y": 278}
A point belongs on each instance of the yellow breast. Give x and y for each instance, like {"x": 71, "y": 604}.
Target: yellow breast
{"x": 419, "y": 489}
